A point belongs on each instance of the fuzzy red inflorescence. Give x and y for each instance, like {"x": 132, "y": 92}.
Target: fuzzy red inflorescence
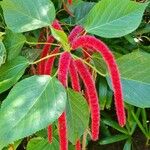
{"x": 50, "y": 133}
{"x": 45, "y": 51}
{"x": 45, "y": 66}
{"x": 78, "y": 145}
{"x": 63, "y": 68}
{"x": 76, "y": 86}
{"x": 74, "y": 76}
{"x": 92, "y": 97}
{"x": 56, "y": 25}
{"x": 62, "y": 130}
{"x": 49, "y": 63}
{"x": 70, "y": 2}
{"x": 76, "y": 31}
{"x": 47, "y": 71}
{"x": 100, "y": 47}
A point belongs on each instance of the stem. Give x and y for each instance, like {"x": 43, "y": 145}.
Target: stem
{"x": 139, "y": 124}
{"x": 146, "y": 38}
{"x": 84, "y": 139}
{"x": 66, "y": 24}
{"x": 147, "y": 142}
{"x": 11, "y": 147}
{"x": 41, "y": 43}
{"x": 33, "y": 70}
{"x": 48, "y": 56}
{"x": 87, "y": 53}
{"x": 55, "y": 74}
{"x": 89, "y": 65}
{"x": 60, "y": 11}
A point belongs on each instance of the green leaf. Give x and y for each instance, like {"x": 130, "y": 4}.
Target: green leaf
{"x": 135, "y": 71}
{"x": 77, "y": 115}
{"x": 109, "y": 98}
{"x": 1, "y": 35}
{"x": 104, "y": 130}
{"x": 102, "y": 91}
{"x": 79, "y": 9}
{"x": 42, "y": 144}
{"x": 13, "y": 43}
{"x": 114, "y": 18}
{"x": 31, "y": 105}
{"x": 140, "y": 124}
{"x": 144, "y": 119}
{"x": 127, "y": 145}
{"x": 114, "y": 125}
{"x": 11, "y": 72}
{"x": 2, "y": 53}
{"x": 27, "y": 15}
{"x": 143, "y": 30}
{"x": 13, "y": 146}
{"x": 113, "y": 139}
{"x": 31, "y": 54}
{"x": 61, "y": 36}
{"x": 99, "y": 63}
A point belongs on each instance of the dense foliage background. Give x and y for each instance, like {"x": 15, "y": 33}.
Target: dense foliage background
{"x": 25, "y": 99}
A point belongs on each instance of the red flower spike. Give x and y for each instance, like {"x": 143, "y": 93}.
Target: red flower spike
{"x": 62, "y": 130}
{"x": 48, "y": 69}
{"x": 70, "y": 2}
{"x": 76, "y": 86}
{"x": 45, "y": 51}
{"x": 63, "y": 68}
{"x": 56, "y": 25}
{"x": 74, "y": 76}
{"x": 49, "y": 63}
{"x": 113, "y": 69}
{"x": 49, "y": 133}
{"x": 78, "y": 145}
{"x": 86, "y": 96}
{"x": 76, "y": 31}
{"x": 92, "y": 97}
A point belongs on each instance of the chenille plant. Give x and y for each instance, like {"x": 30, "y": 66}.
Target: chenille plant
{"x": 77, "y": 68}
{"x": 70, "y": 73}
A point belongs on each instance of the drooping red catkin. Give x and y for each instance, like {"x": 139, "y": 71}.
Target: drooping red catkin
{"x": 74, "y": 76}
{"x": 100, "y": 47}
{"x": 92, "y": 97}
{"x": 69, "y": 2}
{"x": 56, "y": 25}
{"x": 76, "y": 86}
{"x": 49, "y": 133}
{"x": 45, "y": 51}
{"x": 62, "y": 131}
{"x": 78, "y": 145}
{"x": 48, "y": 70}
{"x": 76, "y": 31}
{"x": 63, "y": 68}
{"x": 49, "y": 63}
